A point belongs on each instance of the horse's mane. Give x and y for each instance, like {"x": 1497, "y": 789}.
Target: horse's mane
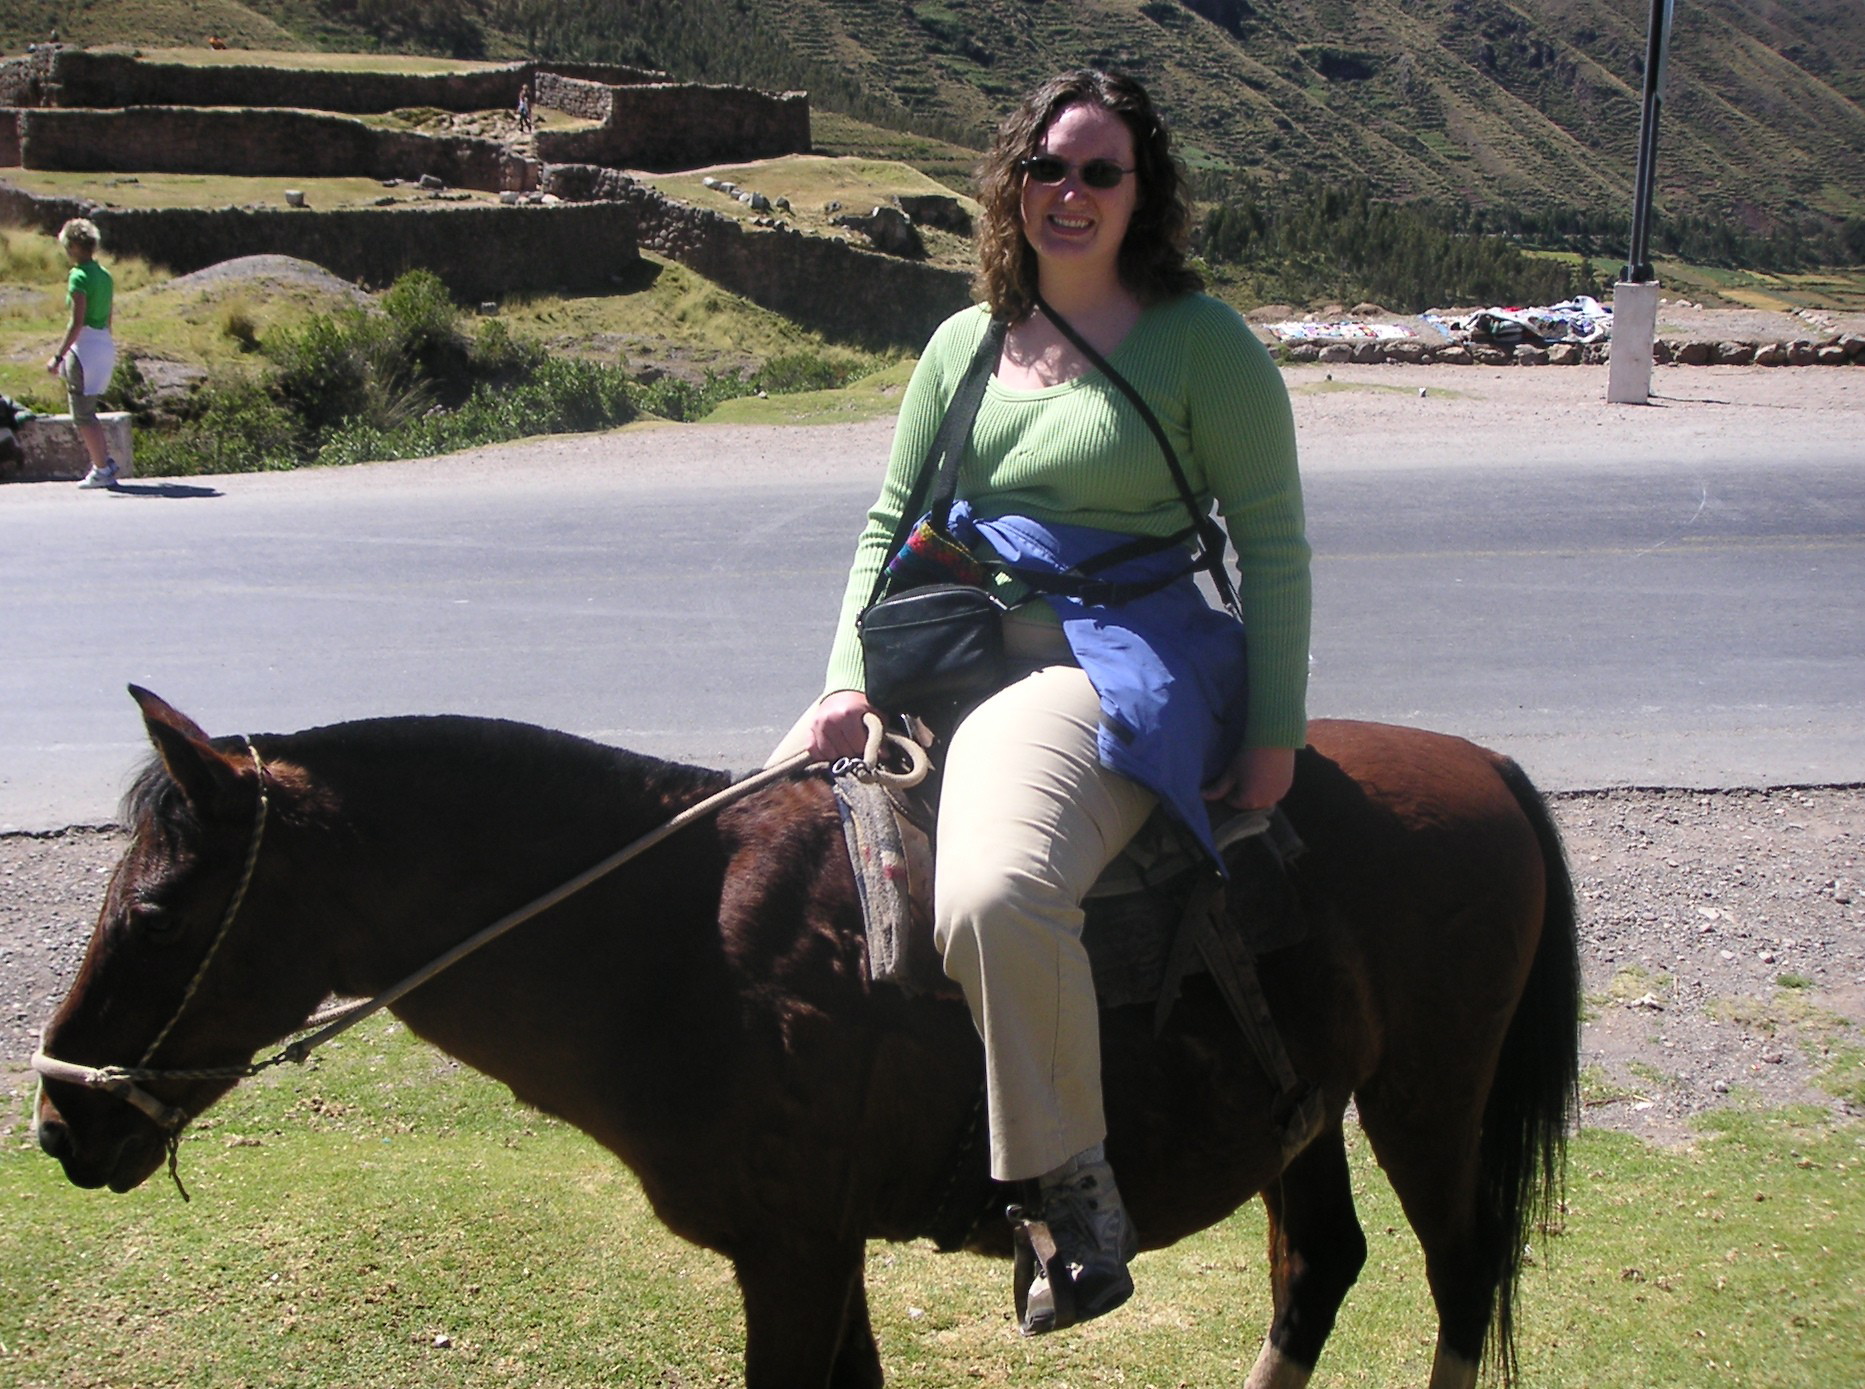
{"x": 496, "y": 749}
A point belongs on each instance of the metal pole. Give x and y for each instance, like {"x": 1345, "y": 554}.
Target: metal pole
{"x": 1635, "y": 296}
{"x": 1638, "y": 261}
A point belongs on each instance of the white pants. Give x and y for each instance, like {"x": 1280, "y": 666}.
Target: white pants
{"x": 1028, "y": 818}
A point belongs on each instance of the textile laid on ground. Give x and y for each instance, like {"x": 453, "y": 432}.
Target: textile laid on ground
{"x": 1582, "y": 319}
{"x": 1308, "y": 331}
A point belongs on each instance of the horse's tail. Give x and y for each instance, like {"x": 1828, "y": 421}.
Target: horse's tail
{"x": 1536, "y": 1094}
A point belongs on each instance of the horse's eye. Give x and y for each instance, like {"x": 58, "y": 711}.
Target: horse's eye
{"x": 152, "y": 918}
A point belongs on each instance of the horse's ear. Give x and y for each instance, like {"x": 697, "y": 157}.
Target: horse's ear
{"x": 207, "y": 777}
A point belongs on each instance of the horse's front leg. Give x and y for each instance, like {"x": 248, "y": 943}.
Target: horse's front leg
{"x": 1316, "y": 1251}
{"x": 806, "y": 1317}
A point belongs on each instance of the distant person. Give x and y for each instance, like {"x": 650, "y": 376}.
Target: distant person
{"x": 88, "y": 355}
{"x": 524, "y": 107}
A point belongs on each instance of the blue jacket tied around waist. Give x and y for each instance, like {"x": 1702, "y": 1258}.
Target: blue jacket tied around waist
{"x": 1169, "y": 668}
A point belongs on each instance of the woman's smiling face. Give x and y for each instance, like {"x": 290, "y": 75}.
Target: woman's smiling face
{"x": 1075, "y": 229}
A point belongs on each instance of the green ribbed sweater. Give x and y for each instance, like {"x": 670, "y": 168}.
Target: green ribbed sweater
{"x": 1080, "y": 453}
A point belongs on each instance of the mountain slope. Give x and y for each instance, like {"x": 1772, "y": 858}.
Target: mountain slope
{"x": 1489, "y": 103}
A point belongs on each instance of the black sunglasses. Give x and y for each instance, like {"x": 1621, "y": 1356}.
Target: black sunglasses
{"x": 1096, "y": 173}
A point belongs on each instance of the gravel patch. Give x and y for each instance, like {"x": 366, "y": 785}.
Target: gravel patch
{"x": 1722, "y": 941}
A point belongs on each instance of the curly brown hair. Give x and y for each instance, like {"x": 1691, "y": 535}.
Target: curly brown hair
{"x": 1152, "y": 257}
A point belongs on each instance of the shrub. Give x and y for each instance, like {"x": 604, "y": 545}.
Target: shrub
{"x": 424, "y": 314}
{"x": 498, "y": 356}
{"x": 237, "y": 322}
{"x": 333, "y": 367}
{"x": 241, "y": 428}
{"x": 801, "y": 371}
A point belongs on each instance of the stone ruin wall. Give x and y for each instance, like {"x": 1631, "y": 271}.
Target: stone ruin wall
{"x": 575, "y": 96}
{"x": 24, "y": 81}
{"x": 833, "y": 286}
{"x": 276, "y": 142}
{"x": 481, "y": 252}
{"x": 74, "y": 77}
{"x": 682, "y": 126}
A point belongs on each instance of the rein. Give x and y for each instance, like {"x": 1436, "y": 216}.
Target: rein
{"x": 122, "y": 1081}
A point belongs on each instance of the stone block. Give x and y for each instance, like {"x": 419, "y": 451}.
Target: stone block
{"x": 1734, "y": 354}
{"x": 1695, "y": 354}
{"x": 1456, "y": 355}
{"x": 1406, "y": 350}
{"x": 1566, "y": 354}
{"x": 1854, "y": 344}
{"x": 1771, "y": 354}
{"x": 53, "y": 452}
{"x": 1337, "y": 352}
{"x": 1489, "y": 355}
{"x": 1800, "y": 353}
{"x": 1529, "y": 355}
{"x": 1830, "y": 355}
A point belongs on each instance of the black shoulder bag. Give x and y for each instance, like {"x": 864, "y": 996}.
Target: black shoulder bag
{"x": 936, "y": 648}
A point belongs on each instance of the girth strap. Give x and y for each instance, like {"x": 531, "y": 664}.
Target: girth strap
{"x": 1298, "y": 1111}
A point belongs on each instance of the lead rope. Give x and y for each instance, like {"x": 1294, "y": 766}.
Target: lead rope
{"x": 233, "y": 906}
{"x": 121, "y": 1080}
{"x": 226, "y": 924}
{"x": 878, "y": 741}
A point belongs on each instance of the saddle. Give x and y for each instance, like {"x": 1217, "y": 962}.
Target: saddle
{"x": 1156, "y": 915}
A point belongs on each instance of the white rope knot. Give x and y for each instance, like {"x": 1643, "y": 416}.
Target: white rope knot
{"x": 870, "y": 766}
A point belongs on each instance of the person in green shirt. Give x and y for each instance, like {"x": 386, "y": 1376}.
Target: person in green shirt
{"x": 1084, "y": 223}
{"x": 88, "y": 355}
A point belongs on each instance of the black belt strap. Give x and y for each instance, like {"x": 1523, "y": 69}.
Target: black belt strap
{"x": 1210, "y": 556}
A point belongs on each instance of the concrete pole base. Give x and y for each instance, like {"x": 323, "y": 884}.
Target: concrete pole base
{"x": 1634, "y": 330}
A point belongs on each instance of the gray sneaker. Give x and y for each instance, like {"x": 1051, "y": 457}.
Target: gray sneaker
{"x": 1072, "y": 1250}
{"x": 105, "y": 476}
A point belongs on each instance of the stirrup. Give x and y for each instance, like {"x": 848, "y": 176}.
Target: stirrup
{"x": 1045, "y": 1301}
{"x": 1048, "y": 1297}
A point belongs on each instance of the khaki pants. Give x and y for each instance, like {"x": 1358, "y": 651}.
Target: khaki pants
{"x": 1028, "y": 818}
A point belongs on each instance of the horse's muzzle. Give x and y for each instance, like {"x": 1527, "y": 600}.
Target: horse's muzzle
{"x": 122, "y": 1166}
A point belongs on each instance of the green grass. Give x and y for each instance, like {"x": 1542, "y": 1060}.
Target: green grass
{"x": 666, "y": 317}
{"x": 387, "y": 1219}
{"x": 667, "y": 314}
{"x": 833, "y": 133}
{"x": 872, "y": 397}
{"x": 217, "y": 190}
{"x": 812, "y": 182}
{"x": 303, "y": 60}
{"x": 1722, "y": 287}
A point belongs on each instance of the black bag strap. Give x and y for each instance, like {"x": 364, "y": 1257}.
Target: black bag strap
{"x": 947, "y": 449}
{"x": 1210, "y": 555}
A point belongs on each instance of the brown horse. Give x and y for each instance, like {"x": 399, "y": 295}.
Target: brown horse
{"x": 705, "y": 1012}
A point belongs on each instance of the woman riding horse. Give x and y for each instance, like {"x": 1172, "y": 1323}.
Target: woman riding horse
{"x": 1110, "y": 708}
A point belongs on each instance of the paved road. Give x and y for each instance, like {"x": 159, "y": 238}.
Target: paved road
{"x": 1674, "y": 621}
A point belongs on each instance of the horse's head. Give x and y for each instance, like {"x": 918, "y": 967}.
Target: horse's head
{"x": 182, "y": 981}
